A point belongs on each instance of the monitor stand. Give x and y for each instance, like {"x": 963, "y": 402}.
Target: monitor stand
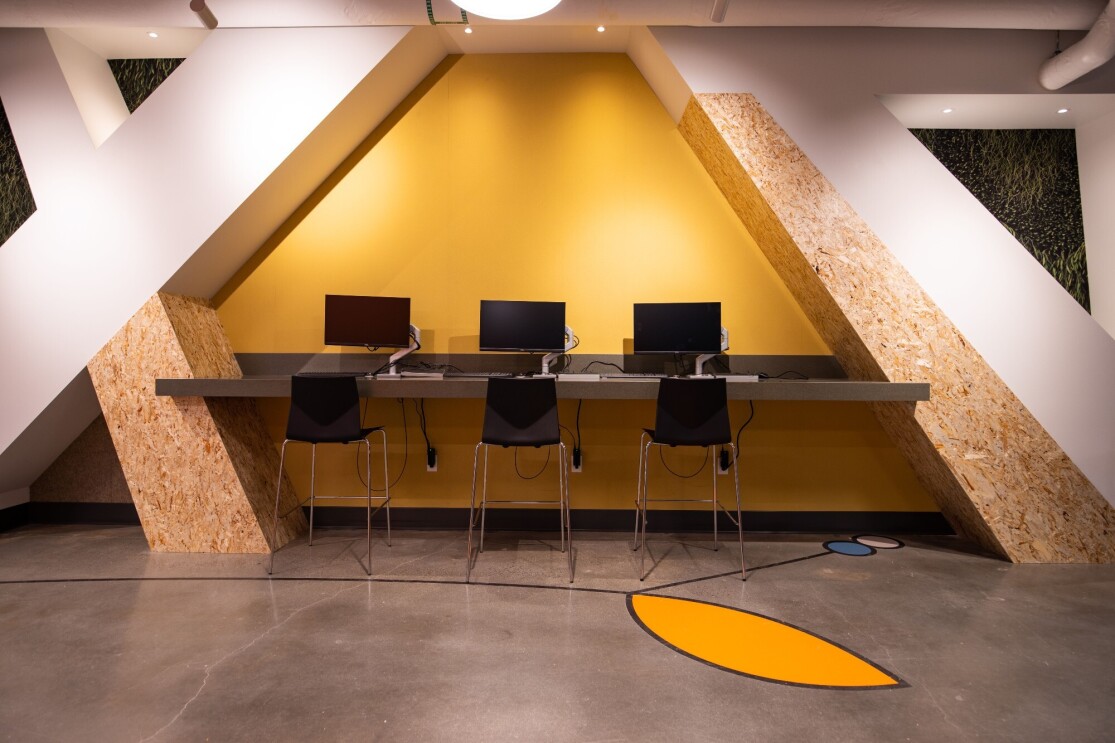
{"x": 392, "y": 363}
{"x": 548, "y": 358}
{"x": 698, "y": 367}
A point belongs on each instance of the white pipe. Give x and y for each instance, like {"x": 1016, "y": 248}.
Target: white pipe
{"x": 1084, "y": 56}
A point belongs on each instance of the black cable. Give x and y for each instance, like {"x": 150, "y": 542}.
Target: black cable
{"x": 780, "y": 376}
{"x": 590, "y": 364}
{"x": 417, "y": 347}
{"x": 704, "y": 462}
{"x": 420, "y": 409}
{"x": 536, "y": 474}
{"x": 406, "y": 448}
{"x": 722, "y": 361}
{"x": 751, "y": 417}
{"x": 577, "y": 440}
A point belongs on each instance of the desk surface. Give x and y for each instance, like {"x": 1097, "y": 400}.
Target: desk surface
{"x": 629, "y": 388}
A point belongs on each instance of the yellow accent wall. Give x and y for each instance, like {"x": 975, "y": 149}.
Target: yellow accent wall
{"x": 551, "y": 177}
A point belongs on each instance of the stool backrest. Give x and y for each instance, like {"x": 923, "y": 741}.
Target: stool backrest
{"x": 692, "y": 412}
{"x": 521, "y": 412}
{"x": 323, "y": 409}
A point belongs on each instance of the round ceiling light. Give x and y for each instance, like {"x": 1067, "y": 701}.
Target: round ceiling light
{"x": 507, "y": 10}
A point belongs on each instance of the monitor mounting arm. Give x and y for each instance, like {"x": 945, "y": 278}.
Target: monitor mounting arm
{"x": 698, "y": 369}
{"x": 415, "y": 344}
{"x": 569, "y": 344}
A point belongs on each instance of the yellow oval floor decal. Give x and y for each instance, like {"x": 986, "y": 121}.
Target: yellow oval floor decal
{"x": 754, "y": 645}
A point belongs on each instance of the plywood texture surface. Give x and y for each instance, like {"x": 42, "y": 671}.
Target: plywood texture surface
{"x": 202, "y": 473}
{"x": 996, "y": 474}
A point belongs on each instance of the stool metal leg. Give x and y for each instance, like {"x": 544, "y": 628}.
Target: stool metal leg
{"x": 646, "y": 488}
{"x": 386, "y": 484}
{"x": 739, "y": 512}
{"x": 561, "y": 492}
{"x": 313, "y": 464}
{"x": 484, "y": 499}
{"x": 563, "y": 502}
{"x": 640, "y": 484}
{"x": 471, "y": 511}
{"x": 368, "y": 465}
{"x": 710, "y": 452}
{"x": 275, "y": 523}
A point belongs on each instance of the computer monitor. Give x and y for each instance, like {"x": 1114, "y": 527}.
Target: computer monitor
{"x": 374, "y": 322}
{"x": 677, "y": 327}
{"x": 522, "y": 326}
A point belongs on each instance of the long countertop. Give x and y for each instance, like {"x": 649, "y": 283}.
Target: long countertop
{"x": 606, "y": 388}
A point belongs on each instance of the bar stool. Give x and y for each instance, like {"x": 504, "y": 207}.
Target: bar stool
{"x": 520, "y": 412}
{"x": 326, "y": 410}
{"x": 689, "y": 412}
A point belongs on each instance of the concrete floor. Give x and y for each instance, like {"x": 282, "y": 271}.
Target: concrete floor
{"x": 104, "y": 640}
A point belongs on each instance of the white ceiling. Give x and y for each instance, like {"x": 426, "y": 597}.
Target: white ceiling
{"x": 1010, "y": 14}
{"x": 119, "y": 28}
{"x": 997, "y": 111}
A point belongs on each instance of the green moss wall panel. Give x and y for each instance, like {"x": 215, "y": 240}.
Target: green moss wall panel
{"x": 16, "y": 201}
{"x": 1029, "y": 179}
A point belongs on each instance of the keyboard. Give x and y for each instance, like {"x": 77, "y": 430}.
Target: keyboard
{"x": 633, "y": 375}
{"x": 479, "y": 374}
{"x": 331, "y": 374}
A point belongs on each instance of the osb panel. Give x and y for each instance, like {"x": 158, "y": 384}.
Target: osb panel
{"x": 201, "y": 473}
{"x": 88, "y": 471}
{"x": 995, "y": 472}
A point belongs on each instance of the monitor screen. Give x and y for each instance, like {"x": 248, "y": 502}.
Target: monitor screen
{"x": 367, "y": 321}
{"x": 677, "y": 327}
{"x": 522, "y": 326}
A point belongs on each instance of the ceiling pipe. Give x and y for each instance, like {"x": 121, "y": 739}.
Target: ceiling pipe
{"x": 203, "y": 12}
{"x": 719, "y": 8}
{"x": 1084, "y": 56}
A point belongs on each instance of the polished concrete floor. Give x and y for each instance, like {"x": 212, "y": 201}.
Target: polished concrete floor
{"x": 104, "y": 640}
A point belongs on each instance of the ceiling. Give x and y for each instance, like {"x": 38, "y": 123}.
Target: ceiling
{"x": 1007, "y": 14}
{"x": 120, "y": 28}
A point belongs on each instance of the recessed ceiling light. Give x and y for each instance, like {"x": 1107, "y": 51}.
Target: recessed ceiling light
{"x": 946, "y": 110}
{"x": 468, "y": 29}
{"x": 600, "y": 29}
{"x": 152, "y": 34}
{"x": 1062, "y": 110}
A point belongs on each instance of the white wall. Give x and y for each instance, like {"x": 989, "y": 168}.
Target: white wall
{"x": 92, "y": 85}
{"x": 821, "y": 86}
{"x": 1095, "y": 151}
{"x": 113, "y": 224}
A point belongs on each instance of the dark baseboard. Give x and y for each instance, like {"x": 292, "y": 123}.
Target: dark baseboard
{"x": 43, "y": 512}
{"x": 16, "y": 516}
{"x": 528, "y": 519}
{"x": 533, "y": 519}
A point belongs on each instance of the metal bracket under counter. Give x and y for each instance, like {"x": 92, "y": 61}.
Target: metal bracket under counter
{"x": 631, "y": 388}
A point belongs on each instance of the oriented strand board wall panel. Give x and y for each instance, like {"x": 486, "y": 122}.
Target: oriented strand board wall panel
{"x": 995, "y": 472}
{"x": 202, "y": 472}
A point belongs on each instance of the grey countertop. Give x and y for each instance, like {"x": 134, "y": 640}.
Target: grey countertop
{"x": 629, "y": 388}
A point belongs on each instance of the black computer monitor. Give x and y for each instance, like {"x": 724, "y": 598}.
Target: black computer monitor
{"x": 522, "y": 326}
{"x": 376, "y": 322}
{"x": 677, "y": 327}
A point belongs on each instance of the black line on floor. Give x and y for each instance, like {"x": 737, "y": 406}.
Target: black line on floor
{"x": 416, "y": 581}
{"x": 730, "y": 572}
